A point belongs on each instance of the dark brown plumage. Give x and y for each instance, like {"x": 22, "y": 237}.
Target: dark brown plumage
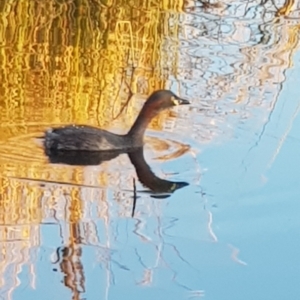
{"x": 88, "y": 138}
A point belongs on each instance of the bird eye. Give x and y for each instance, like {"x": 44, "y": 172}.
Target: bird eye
{"x": 175, "y": 101}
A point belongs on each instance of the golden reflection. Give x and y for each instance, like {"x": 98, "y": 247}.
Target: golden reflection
{"x": 286, "y": 8}
{"x": 70, "y": 62}
{"x": 73, "y": 63}
{"x": 66, "y": 63}
{"x": 20, "y": 218}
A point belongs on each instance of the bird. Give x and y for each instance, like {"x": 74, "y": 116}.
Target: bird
{"x": 89, "y": 138}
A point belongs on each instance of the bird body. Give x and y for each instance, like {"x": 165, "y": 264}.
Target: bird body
{"x": 88, "y": 138}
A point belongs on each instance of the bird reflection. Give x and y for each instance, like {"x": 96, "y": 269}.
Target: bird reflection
{"x": 161, "y": 187}
{"x": 80, "y": 158}
{"x": 148, "y": 178}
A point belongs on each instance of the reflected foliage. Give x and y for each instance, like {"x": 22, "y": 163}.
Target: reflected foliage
{"x": 79, "y": 61}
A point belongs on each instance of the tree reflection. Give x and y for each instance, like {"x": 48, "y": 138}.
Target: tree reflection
{"x": 69, "y": 259}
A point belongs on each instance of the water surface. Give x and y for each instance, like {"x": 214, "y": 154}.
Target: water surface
{"x": 70, "y": 232}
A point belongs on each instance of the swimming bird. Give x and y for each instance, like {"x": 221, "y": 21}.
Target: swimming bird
{"x": 89, "y": 138}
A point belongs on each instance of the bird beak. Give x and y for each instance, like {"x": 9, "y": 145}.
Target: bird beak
{"x": 179, "y": 101}
{"x": 182, "y": 101}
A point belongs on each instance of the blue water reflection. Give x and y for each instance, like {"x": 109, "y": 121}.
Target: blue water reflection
{"x": 255, "y": 185}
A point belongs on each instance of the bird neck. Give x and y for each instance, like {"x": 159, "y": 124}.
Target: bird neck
{"x": 139, "y": 126}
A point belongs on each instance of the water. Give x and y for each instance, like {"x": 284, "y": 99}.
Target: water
{"x": 72, "y": 232}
